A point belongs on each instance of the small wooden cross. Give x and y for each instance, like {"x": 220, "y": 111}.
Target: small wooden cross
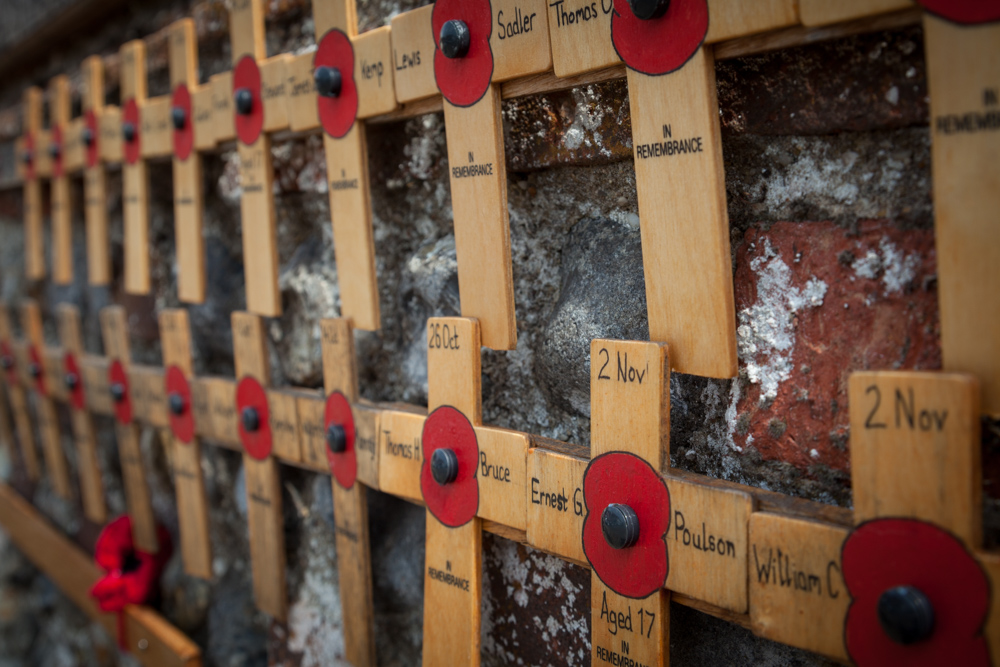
{"x": 32, "y": 148}
{"x": 95, "y": 176}
{"x": 62, "y": 212}
{"x": 9, "y": 361}
{"x": 135, "y": 173}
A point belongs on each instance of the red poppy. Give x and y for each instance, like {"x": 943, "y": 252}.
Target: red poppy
{"x": 247, "y": 75}
{"x": 132, "y": 575}
{"x": 70, "y": 367}
{"x": 250, "y": 394}
{"x": 56, "y": 138}
{"x": 660, "y": 45}
{"x": 463, "y": 81}
{"x": 130, "y": 114}
{"x": 337, "y": 114}
{"x": 343, "y": 465}
{"x": 455, "y": 503}
{"x": 123, "y": 408}
{"x": 36, "y": 362}
{"x": 182, "y": 425}
{"x": 883, "y": 554}
{"x": 29, "y": 149}
{"x": 90, "y": 122}
{"x": 619, "y": 477}
{"x": 184, "y": 137}
{"x": 968, "y": 12}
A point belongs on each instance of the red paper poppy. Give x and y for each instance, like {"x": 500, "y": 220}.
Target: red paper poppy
{"x": 456, "y": 503}
{"x": 8, "y": 356}
{"x": 130, "y": 114}
{"x": 463, "y": 81}
{"x": 184, "y": 137}
{"x": 182, "y": 425}
{"x": 56, "y": 137}
{"x": 337, "y": 114}
{"x": 36, "y": 362}
{"x": 90, "y": 122}
{"x": 70, "y": 367}
{"x": 885, "y": 553}
{"x": 29, "y": 150}
{"x": 123, "y": 408}
{"x": 660, "y": 45}
{"x": 132, "y": 574}
{"x": 250, "y": 394}
{"x": 247, "y": 75}
{"x": 967, "y": 12}
{"x": 343, "y": 465}
{"x": 619, "y": 477}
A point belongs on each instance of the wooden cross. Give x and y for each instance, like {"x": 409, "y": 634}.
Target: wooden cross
{"x": 188, "y": 199}
{"x": 487, "y": 54}
{"x": 135, "y": 173}
{"x": 821, "y": 12}
{"x": 114, "y": 330}
{"x": 192, "y": 504}
{"x": 678, "y": 155}
{"x": 353, "y": 77}
{"x": 10, "y": 361}
{"x": 260, "y": 249}
{"x": 350, "y": 505}
{"x": 263, "y": 484}
{"x": 62, "y": 213}
{"x": 91, "y": 486}
{"x": 95, "y": 178}
{"x": 34, "y": 250}
{"x": 48, "y": 420}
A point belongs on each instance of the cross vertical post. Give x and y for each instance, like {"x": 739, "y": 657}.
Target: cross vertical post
{"x": 95, "y": 177}
{"x": 62, "y": 230}
{"x": 135, "y": 172}
{"x": 34, "y": 238}
{"x": 18, "y": 401}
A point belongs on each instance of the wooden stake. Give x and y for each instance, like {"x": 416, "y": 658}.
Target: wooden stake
{"x": 260, "y": 247}
{"x": 135, "y": 173}
{"x": 188, "y": 200}
{"x": 91, "y": 486}
{"x": 34, "y": 251}
{"x": 454, "y": 559}
{"x": 350, "y": 506}
{"x": 192, "y": 504}
{"x": 963, "y": 76}
{"x": 114, "y": 329}
{"x": 18, "y": 401}
{"x": 95, "y": 178}
{"x": 48, "y": 420}
{"x": 267, "y": 536}
{"x": 62, "y": 213}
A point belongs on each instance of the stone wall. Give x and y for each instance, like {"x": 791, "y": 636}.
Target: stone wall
{"x": 827, "y": 175}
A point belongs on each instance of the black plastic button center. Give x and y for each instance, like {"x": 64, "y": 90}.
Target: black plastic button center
{"x": 7, "y": 362}
{"x": 176, "y": 404}
{"x": 328, "y": 81}
{"x": 178, "y": 117}
{"x": 72, "y": 380}
{"x": 620, "y": 526}
{"x": 336, "y": 438}
{"x": 88, "y": 137}
{"x": 54, "y": 151}
{"x": 444, "y": 466}
{"x": 118, "y": 392}
{"x": 250, "y": 418}
{"x": 244, "y": 101}
{"x": 128, "y": 131}
{"x": 906, "y": 615}
{"x": 34, "y": 370}
{"x": 26, "y": 157}
{"x": 649, "y": 9}
{"x": 454, "y": 39}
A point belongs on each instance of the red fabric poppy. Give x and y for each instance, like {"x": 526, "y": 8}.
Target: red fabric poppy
{"x": 968, "y": 12}
{"x": 184, "y": 137}
{"x": 660, "y": 45}
{"x": 90, "y": 122}
{"x": 36, "y": 360}
{"x": 7, "y": 353}
{"x": 456, "y": 503}
{"x": 463, "y": 81}
{"x": 250, "y": 393}
{"x": 343, "y": 465}
{"x": 76, "y": 397}
{"x": 29, "y": 149}
{"x": 56, "y": 137}
{"x": 182, "y": 425}
{"x": 247, "y": 75}
{"x": 619, "y": 477}
{"x": 337, "y": 114}
{"x": 130, "y": 114}
{"x": 885, "y": 553}
{"x": 132, "y": 575}
{"x": 123, "y": 408}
